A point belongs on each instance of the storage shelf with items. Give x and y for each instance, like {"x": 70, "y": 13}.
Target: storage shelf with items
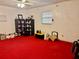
{"x": 24, "y": 26}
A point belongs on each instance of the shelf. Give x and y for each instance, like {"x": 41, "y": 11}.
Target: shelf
{"x": 24, "y": 27}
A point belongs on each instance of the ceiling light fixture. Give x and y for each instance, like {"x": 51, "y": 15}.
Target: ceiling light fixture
{"x": 21, "y": 5}
{"x": 23, "y": 0}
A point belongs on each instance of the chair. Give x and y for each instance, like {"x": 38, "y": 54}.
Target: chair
{"x": 54, "y": 35}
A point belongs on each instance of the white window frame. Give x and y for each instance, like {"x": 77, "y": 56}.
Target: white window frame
{"x": 47, "y": 17}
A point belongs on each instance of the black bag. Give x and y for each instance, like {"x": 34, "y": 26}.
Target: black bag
{"x": 75, "y": 49}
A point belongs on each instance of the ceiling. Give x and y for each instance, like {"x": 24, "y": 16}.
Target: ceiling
{"x": 12, "y": 3}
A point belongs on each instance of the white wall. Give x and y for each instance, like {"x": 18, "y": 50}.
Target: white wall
{"x": 66, "y": 19}
{"x": 10, "y": 13}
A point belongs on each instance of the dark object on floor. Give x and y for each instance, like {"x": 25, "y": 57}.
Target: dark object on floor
{"x": 75, "y": 49}
{"x": 40, "y": 36}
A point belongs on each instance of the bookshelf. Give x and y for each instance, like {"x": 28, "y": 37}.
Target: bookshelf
{"x": 24, "y": 26}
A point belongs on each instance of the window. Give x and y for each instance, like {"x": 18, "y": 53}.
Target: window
{"x": 47, "y": 17}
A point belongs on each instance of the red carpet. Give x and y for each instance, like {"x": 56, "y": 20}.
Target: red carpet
{"x": 32, "y": 48}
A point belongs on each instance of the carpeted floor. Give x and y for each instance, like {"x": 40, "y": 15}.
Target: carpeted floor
{"x": 33, "y": 48}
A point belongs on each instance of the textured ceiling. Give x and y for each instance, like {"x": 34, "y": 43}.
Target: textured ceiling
{"x": 12, "y": 3}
